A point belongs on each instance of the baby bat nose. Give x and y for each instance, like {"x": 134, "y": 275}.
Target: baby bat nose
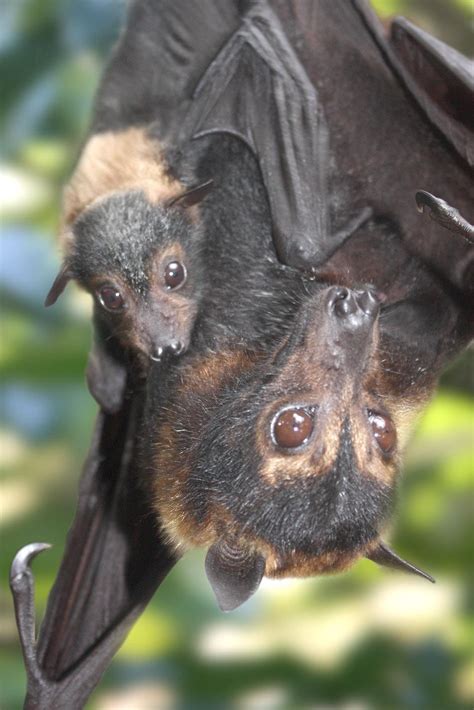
{"x": 157, "y": 353}
{"x": 177, "y": 347}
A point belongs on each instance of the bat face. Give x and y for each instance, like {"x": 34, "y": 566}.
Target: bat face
{"x": 294, "y": 456}
{"x": 141, "y": 264}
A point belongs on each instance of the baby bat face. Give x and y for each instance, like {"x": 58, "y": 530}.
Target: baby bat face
{"x": 141, "y": 263}
{"x": 294, "y": 457}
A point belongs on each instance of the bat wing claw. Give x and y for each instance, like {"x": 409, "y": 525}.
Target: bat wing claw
{"x": 447, "y": 216}
{"x": 23, "y": 592}
{"x": 421, "y": 200}
{"x": 23, "y": 558}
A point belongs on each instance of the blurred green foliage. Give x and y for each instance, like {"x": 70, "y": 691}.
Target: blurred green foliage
{"x": 366, "y": 639}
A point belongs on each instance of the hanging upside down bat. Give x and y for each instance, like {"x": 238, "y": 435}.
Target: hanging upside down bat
{"x": 282, "y": 455}
{"x": 300, "y": 413}
{"x": 360, "y": 363}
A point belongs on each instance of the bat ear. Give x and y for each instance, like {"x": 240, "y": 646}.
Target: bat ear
{"x": 106, "y": 379}
{"x": 440, "y": 79}
{"x": 192, "y": 196}
{"x": 234, "y": 573}
{"x": 385, "y": 557}
{"x": 59, "y": 284}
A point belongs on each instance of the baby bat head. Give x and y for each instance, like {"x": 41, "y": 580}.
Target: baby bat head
{"x": 141, "y": 262}
{"x": 297, "y": 455}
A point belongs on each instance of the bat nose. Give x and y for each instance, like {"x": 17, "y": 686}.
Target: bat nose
{"x": 368, "y": 301}
{"x": 345, "y": 303}
{"x": 157, "y": 353}
{"x": 177, "y": 347}
{"x": 341, "y": 301}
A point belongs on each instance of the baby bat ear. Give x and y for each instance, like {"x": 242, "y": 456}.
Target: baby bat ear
{"x": 192, "y": 196}
{"x": 106, "y": 379}
{"x": 234, "y": 573}
{"x": 384, "y": 556}
{"x": 59, "y": 284}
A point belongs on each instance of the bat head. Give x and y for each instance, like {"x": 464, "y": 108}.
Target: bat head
{"x": 141, "y": 263}
{"x": 288, "y": 464}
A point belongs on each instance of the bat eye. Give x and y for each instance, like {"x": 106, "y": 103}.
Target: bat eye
{"x": 175, "y": 275}
{"x": 293, "y": 427}
{"x": 383, "y": 430}
{"x": 111, "y": 298}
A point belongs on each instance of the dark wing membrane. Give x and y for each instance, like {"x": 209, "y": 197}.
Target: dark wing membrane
{"x": 257, "y": 89}
{"x": 383, "y": 146}
{"x": 442, "y": 81}
{"x": 311, "y": 88}
{"x": 164, "y": 50}
{"x": 113, "y": 562}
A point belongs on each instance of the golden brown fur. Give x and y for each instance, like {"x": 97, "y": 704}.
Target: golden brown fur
{"x": 117, "y": 162}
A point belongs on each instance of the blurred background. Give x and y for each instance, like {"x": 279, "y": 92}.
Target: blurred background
{"x": 366, "y": 639}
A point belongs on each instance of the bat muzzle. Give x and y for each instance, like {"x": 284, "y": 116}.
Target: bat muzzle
{"x": 353, "y": 309}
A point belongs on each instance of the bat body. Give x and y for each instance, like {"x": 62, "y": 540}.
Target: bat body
{"x": 276, "y": 440}
{"x": 281, "y": 454}
{"x": 349, "y": 380}
{"x": 119, "y": 233}
{"x": 248, "y": 295}
{"x": 131, "y": 238}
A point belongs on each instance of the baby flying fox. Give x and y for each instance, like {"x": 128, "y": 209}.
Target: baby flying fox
{"x": 131, "y": 237}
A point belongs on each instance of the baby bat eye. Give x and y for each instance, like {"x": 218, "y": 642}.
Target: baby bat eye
{"x": 175, "y": 275}
{"x": 111, "y": 298}
{"x": 383, "y": 430}
{"x": 293, "y": 426}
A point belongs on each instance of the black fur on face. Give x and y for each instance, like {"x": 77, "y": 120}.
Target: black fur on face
{"x": 130, "y": 247}
{"x": 222, "y": 471}
{"x": 340, "y": 510}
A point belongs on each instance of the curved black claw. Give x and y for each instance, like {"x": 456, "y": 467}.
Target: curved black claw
{"x": 449, "y": 217}
{"x": 23, "y": 590}
{"x": 386, "y": 557}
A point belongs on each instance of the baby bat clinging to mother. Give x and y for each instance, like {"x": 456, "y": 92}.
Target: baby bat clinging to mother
{"x": 131, "y": 237}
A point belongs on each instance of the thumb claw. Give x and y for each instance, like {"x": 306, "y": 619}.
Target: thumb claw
{"x": 22, "y": 585}
{"x": 420, "y": 204}
{"x": 445, "y": 215}
{"x": 23, "y": 558}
